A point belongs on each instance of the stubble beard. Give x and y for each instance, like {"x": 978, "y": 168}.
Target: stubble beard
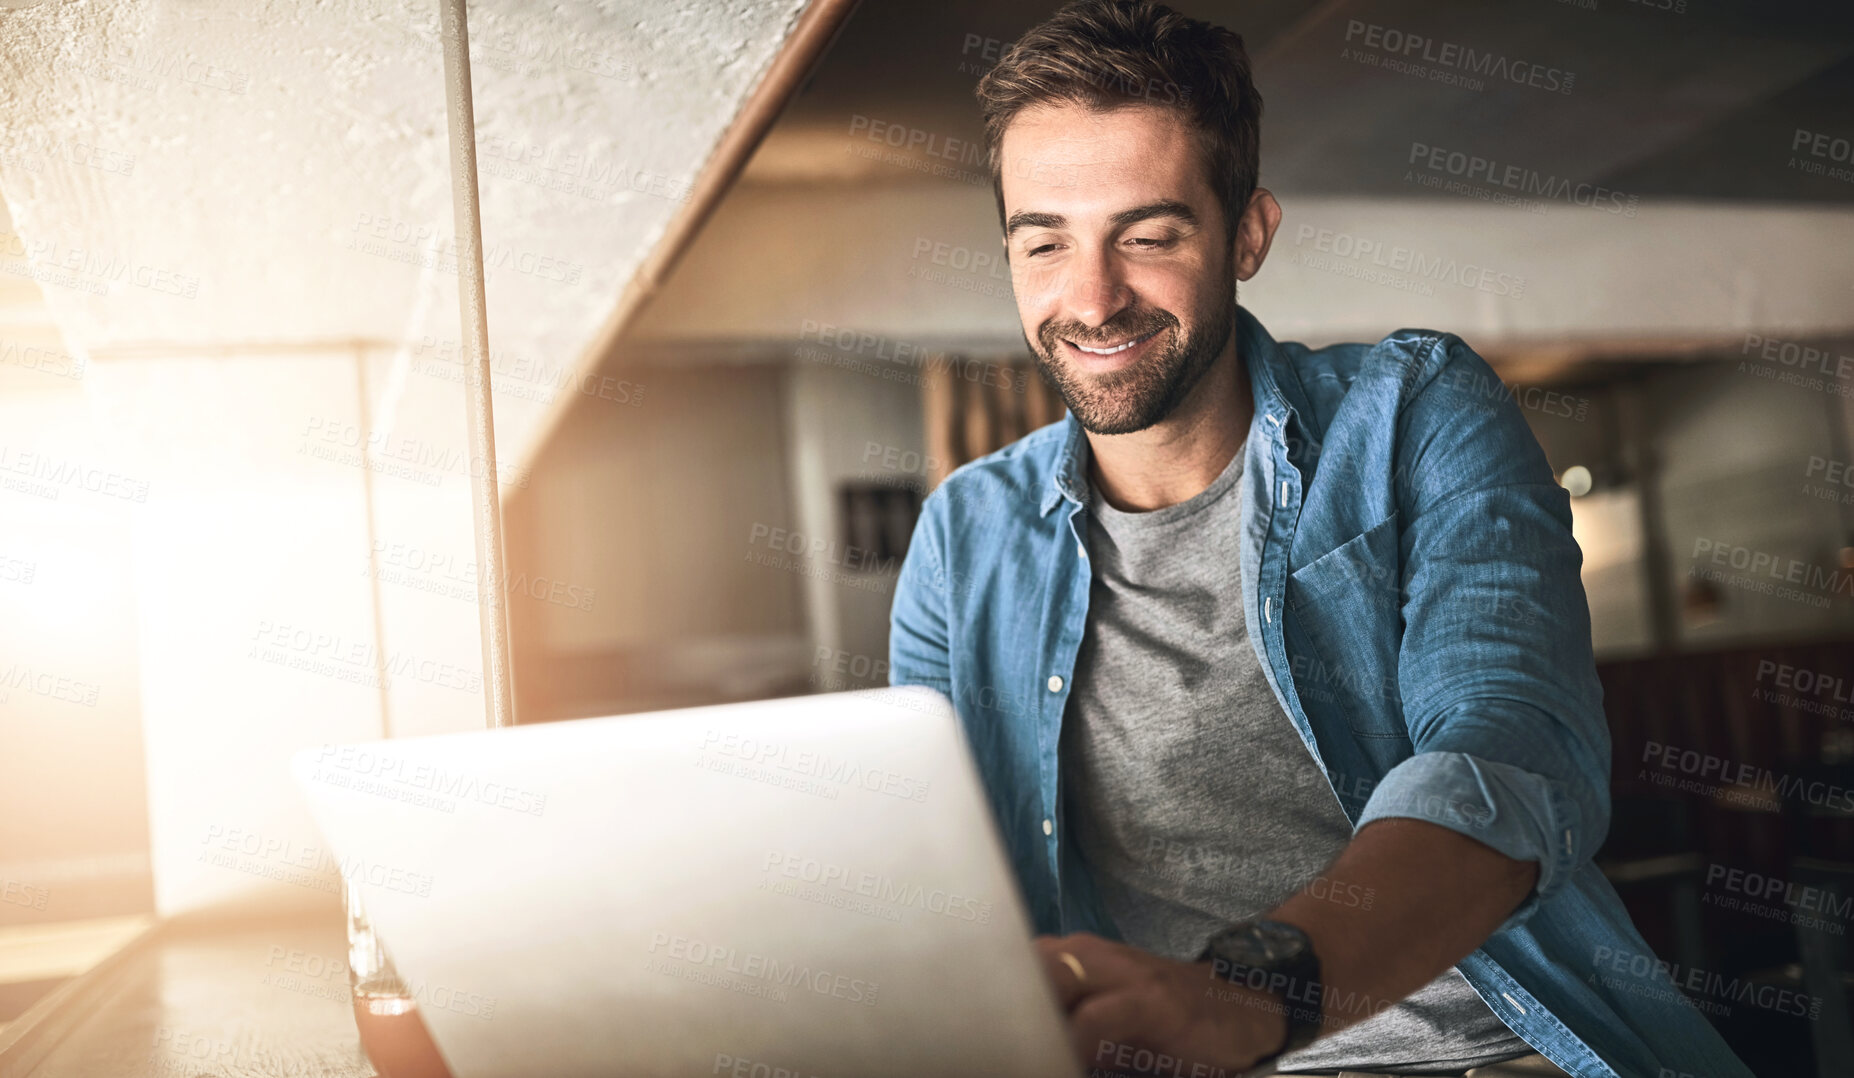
{"x": 1133, "y": 399}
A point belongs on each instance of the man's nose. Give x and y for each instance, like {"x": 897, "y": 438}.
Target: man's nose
{"x": 1094, "y": 295}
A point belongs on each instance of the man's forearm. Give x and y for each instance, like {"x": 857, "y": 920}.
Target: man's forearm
{"x": 1435, "y": 895}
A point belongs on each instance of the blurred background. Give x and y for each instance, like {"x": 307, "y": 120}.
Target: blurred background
{"x": 727, "y": 368}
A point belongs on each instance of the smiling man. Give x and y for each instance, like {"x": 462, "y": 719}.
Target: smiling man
{"x": 1276, "y": 660}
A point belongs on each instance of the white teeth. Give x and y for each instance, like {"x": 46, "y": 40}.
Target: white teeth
{"x": 1111, "y": 351}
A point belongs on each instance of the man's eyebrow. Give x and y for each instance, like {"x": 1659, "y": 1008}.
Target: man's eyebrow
{"x": 1026, "y": 219}
{"x": 1165, "y": 207}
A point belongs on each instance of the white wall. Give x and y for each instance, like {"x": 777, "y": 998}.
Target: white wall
{"x": 921, "y": 262}
{"x": 74, "y": 835}
{"x": 255, "y": 599}
{"x": 850, "y": 424}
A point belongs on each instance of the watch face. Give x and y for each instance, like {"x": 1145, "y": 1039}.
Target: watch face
{"x": 1279, "y": 941}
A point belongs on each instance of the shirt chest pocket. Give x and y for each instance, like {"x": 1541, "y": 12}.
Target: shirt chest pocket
{"x": 1343, "y": 631}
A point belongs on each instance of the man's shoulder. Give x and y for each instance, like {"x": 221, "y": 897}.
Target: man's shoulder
{"x": 1409, "y": 357}
{"x": 1380, "y": 379}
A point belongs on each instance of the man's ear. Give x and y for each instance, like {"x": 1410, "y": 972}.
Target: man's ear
{"x": 1255, "y": 231}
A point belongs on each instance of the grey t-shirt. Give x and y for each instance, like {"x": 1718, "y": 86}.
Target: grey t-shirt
{"x": 1190, "y": 794}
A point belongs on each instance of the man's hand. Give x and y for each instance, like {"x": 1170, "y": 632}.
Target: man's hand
{"x": 1134, "y": 1012}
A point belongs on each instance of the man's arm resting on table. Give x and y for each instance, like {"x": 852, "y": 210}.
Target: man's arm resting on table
{"x": 1435, "y": 895}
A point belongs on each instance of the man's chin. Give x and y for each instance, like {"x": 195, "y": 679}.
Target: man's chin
{"x": 1112, "y": 424}
{"x": 1108, "y": 404}
{"x": 1108, "y": 414}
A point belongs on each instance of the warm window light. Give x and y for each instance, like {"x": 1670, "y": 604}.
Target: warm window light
{"x": 1576, "y": 479}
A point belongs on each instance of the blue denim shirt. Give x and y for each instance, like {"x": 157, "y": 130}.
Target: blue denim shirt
{"x": 1413, "y": 593}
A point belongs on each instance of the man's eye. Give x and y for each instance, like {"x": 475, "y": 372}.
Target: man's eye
{"x": 1149, "y": 243}
{"x": 1039, "y": 249}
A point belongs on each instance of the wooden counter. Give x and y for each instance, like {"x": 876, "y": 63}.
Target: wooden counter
{"x": 201, "y": 999}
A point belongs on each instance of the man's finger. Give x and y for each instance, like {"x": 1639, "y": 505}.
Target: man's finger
{"x": 1066, "y": 971}
{"x": 1107, "y": 1028}
{"x": 1083, "y": 964}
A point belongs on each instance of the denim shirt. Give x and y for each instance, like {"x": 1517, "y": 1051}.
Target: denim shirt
{"x": 1412, "y": 591}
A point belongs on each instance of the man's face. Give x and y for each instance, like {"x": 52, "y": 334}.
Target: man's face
{"x": 1119, "y": 261}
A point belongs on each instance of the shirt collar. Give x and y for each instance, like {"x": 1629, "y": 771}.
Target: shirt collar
{"x": 1258, "y": 352}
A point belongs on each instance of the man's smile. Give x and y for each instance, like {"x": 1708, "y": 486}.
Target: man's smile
{"x": 1116, "y": 354}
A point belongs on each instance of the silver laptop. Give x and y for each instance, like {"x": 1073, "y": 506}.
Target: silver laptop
{"x": 800, "y": 888}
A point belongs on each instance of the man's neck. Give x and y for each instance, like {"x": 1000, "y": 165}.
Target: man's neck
{"x": 1174, "y": 460}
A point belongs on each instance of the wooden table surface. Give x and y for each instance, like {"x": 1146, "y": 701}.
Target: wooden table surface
{"x": 245, "y": 996}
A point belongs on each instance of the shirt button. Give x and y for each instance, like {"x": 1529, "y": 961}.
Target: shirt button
{"x": 1055, "y": 683}
{"x": 1049, "y": 827}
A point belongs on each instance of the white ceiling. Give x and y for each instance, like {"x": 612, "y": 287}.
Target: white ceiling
{"x": 190, "y": 174}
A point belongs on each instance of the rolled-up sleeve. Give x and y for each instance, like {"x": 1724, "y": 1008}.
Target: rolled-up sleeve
{"x": 917, "y": 624}
{"x": 1495, "y": 669}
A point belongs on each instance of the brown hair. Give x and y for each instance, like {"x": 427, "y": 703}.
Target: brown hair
{"x": 1108, "y": 54}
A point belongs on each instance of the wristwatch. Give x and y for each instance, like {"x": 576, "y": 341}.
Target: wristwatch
{"x": 1276, "y": 958}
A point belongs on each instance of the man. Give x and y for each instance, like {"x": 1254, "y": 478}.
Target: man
{"x": 1304, "y": 630}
